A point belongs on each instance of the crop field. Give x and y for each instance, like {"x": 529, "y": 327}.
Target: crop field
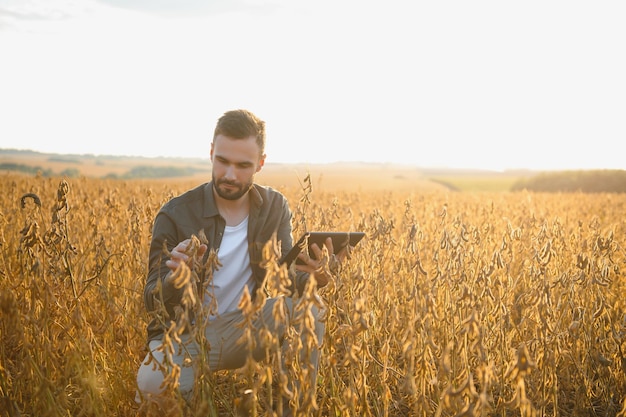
{"x": 455, "y": 304}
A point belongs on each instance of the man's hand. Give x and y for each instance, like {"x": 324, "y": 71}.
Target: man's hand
{"x": 185, "y": 252}
{"x": 320, "y": 266}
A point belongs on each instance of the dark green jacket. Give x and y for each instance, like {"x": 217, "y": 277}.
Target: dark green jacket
{"x": 196, "y": 210}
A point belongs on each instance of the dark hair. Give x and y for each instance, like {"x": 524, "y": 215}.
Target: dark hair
{"x": 241, "y": 124}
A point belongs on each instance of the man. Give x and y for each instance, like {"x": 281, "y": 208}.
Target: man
{"x": 238, "y": 218}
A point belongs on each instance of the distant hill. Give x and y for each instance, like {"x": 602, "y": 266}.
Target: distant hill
{"x": 352, "y": 175}
{"x": 117, "y": 159}
{"x": 103, "y": 166}
{"x": 332, "y": 176}
{"x": 596, "y": 181}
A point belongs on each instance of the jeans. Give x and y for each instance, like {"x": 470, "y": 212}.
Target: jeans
{"x": 225, "y": 352}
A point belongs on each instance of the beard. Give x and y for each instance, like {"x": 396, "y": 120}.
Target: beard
{"x": 234, "y": 191}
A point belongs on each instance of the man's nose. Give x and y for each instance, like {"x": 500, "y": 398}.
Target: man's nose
{"x": 230, "y": 172}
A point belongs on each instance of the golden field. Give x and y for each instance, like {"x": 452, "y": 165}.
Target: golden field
{"x": 455, "y": 304}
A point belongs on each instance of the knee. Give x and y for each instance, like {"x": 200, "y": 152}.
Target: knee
{"x": 153, "y": 373}
{"x": 149, "y": 380}
{"x": 151, "y": 386}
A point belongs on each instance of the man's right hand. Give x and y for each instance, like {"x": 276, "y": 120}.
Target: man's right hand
{"x": 184, "y": 252}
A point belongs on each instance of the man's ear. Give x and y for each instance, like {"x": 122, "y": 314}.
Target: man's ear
{"x": 261, "y": 163}
{"x": 211, "y": 153}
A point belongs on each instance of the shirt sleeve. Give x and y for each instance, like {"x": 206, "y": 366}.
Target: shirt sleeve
{"x": 157, "y": 287}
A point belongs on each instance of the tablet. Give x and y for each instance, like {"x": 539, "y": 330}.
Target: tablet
{"x": 340, "y": 241}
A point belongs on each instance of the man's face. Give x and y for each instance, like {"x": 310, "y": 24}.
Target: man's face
{"x": 235, "y": 162}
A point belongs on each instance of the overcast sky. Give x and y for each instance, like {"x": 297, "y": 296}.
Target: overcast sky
{"x": 470, "y": 84}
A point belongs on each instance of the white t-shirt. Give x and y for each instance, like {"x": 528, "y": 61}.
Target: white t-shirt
{"x": 235, "y": 273}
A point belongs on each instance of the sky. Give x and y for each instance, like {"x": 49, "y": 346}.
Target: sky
{"x": 497, "y": 85}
